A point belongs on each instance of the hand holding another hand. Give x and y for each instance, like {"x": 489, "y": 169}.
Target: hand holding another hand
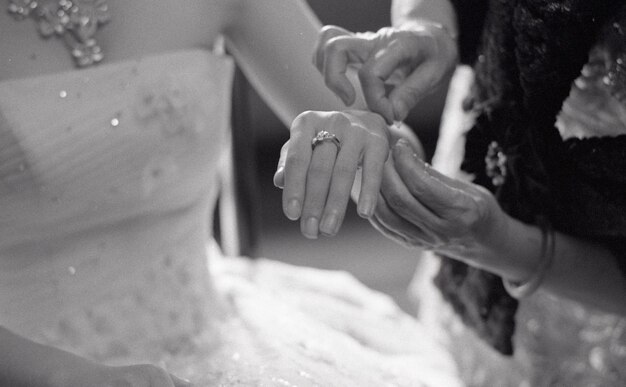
{"x": 397, "y": 66}
{"x": 419, "y": 206}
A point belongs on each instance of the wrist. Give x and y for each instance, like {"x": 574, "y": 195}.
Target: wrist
{"x": 429, "y": 26}
{"x": 519, "y": 249}
{"x": 505, "y": 246}
{"x": 526, "y": 287}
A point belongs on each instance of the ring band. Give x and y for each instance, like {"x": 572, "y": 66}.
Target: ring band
{"x": 323, "y": 136}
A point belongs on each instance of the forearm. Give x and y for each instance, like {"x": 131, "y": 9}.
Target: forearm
{"x": 273, "y": 42}
{"x": 587, "y": 272}
{"x": 580, "y": 270}
{"x": 404, "y": 12}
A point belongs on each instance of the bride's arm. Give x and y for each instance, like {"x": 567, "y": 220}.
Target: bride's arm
{"x": 273, "y": 42}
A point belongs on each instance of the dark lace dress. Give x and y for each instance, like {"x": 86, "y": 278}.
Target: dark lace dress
{"x": 548, "y": 138}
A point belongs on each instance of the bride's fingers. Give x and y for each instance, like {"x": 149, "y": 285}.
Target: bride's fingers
{"x": 375, "y": 154}
{"x": 317, "y": 185}
{"x": 343, "y": 175}
{"x": 297, "y": 162}
{"x": 279, "y": 175}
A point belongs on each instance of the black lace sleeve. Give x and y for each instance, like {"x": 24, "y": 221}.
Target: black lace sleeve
{"x": 470, "y": 19}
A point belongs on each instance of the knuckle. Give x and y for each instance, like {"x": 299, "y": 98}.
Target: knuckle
{"x": 340, "y": 120}
{"x": 303, "y": 119}
{"x": 329, "y": 31}
{"x": 334, "y": 46}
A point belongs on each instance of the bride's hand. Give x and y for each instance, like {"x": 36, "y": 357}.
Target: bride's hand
{"x": 419, "y": 206}
{"x": 317, "y": 182}
{"x": 398, "y": 66}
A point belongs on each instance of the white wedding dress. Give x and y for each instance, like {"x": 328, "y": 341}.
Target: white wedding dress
{"x": 108, "y": 179}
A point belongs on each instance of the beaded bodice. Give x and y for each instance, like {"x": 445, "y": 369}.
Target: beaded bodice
{"x": 108, "y": 177}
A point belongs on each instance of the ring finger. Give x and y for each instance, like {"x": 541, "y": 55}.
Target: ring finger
{"x": 317, "y": 185}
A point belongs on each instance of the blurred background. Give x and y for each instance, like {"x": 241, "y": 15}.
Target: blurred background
{"x": 359, "y": 249}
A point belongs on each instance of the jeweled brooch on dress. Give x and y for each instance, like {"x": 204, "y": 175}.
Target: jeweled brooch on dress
{"x": 75, "y": 21}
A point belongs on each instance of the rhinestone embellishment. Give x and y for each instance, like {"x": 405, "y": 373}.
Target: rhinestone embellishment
{"x": 75, "y": 21}
{"x": 495, "y": 164}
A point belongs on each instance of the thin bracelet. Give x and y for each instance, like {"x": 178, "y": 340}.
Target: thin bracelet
{"x": 526, "y": 288}
{"x": 423, "y": 24}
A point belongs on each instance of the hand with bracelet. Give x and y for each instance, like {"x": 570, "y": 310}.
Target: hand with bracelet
{"x": 421, "y": 207}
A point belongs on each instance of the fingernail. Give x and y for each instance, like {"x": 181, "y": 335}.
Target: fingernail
{"x": 400, "y": 111}
{"x": 293, "y": 209}
{"x": 278, "y": 178}
{"x": 310, "y": 228}
{"x": 329, "y": 224}
{"x": 365, "y": 208}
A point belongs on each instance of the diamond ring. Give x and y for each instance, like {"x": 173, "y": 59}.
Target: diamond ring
{"x": 323, "y": 136}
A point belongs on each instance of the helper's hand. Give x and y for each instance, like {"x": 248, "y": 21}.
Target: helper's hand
{"x": 398, "y": 67}
{"x": 317, "y": 182}
{"x": 419, "y": 206}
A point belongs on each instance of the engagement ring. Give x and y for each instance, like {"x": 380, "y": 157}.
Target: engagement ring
{"x": 323, "y": 136}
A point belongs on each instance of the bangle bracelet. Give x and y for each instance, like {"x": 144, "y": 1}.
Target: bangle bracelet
{"x": 423, "y": 24}
{"x": 529, "y": 286}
